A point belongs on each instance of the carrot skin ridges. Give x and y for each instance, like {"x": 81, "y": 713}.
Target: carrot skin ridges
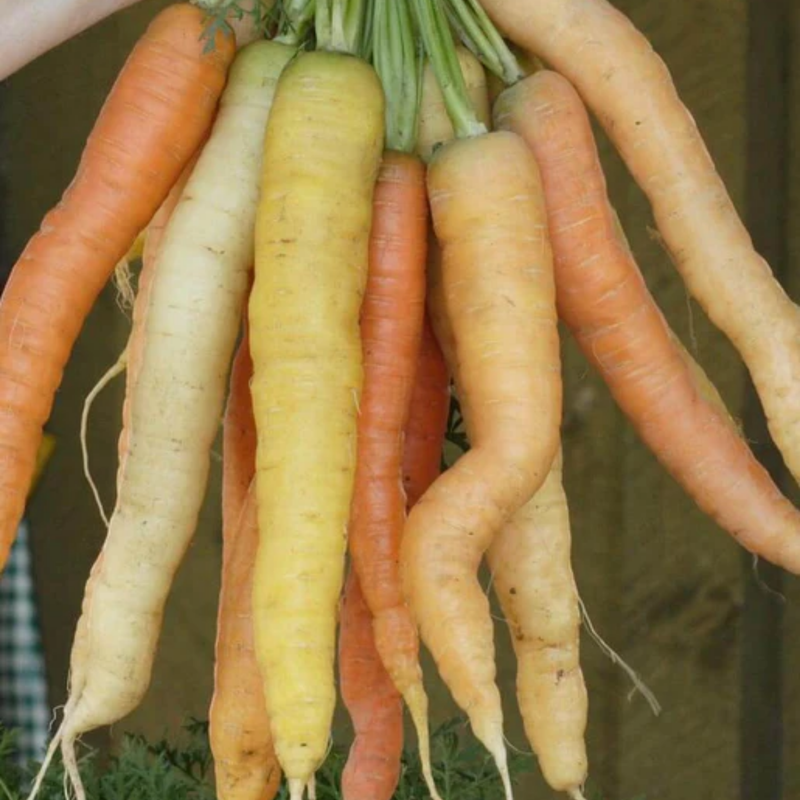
{"x": 497, "y": 291}
{"x": 631, "y": 92}
{"x": 427, "y": 419}
{"x": 603, "y": 299}
{"x": 373, "y": 764}
{"x": 155, "y": 117}
{"x": 391, "y": 328}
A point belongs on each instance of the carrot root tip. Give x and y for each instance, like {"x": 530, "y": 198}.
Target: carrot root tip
{"x": 417, "y": 702}
{"x": 71, "y": 767}
{"x": 297, "y": 788}
{"x": 51, "y": 751}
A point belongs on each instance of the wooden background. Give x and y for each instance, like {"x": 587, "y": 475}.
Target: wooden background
{"x": 664, "y": 587}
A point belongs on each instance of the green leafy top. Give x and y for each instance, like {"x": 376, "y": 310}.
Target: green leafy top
{"x": 398, "y": 62}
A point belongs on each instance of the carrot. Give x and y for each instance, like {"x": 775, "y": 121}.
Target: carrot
{"x": 239, "y": 438}
{"x": 150, "y": 247}
{"x": 145, "y": 134}
{"x": 391, "y": 326}
{"x": 498, "y": 296}
{"x": 430, "y": 401}
{"x": 603, "y": 299}
{"x": 241, "y": 742}
{"x": 150, "y": 242}
{"x": 532, "y": 578}
{"x": 191, "y": 323}
{"x": 627, "y": 85}
{"x": 427, "y": 420}
{"x": 321, "y": 157}
{"x": 372, "y": 771}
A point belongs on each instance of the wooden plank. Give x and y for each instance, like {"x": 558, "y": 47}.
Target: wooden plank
{"x": 767, "y": 196}
{"x": 790, "y": 644}
{"x": 678, "y": 584}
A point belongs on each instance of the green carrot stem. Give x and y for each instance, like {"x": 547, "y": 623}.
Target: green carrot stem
{"x": 339, "y": 25}
{"x": 397, "y": 63}
{"x": 482, "y": 37}
{"x": 440, "y": 47}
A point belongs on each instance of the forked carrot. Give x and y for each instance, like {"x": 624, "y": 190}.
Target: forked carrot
{"x": 497, "y": 293}
{"x": 373, "y": 765}
{"x": 153, "y": 120}
{"x": 603, "y": 299}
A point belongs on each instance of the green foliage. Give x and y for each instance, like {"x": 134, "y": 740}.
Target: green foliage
{"x": 183, "y": 770}
{"x": 220, "y": 12}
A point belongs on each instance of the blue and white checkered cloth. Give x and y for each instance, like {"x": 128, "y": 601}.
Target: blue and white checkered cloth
{"x": 23, "y": 685}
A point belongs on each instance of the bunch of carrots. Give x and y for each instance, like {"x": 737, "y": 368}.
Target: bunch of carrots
{"x": 339, "y": 232}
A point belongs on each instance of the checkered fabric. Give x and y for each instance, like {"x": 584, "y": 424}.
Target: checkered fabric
{"x": 23, "y": 688}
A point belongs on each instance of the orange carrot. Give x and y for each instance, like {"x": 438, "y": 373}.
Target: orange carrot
{"x": 245, "y": 764}
{"x": 153, "y": 120}
{"x": 602, "y": 297}
{"x": 629, "y": 88}
{"x": 427, "y": 420}
{"x": 391, "y": 327}
{"x": 372, "y": 770}
{"x": 239, "y": 437}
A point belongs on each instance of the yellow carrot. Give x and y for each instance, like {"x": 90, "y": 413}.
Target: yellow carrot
{"x": 321, "y": 157}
